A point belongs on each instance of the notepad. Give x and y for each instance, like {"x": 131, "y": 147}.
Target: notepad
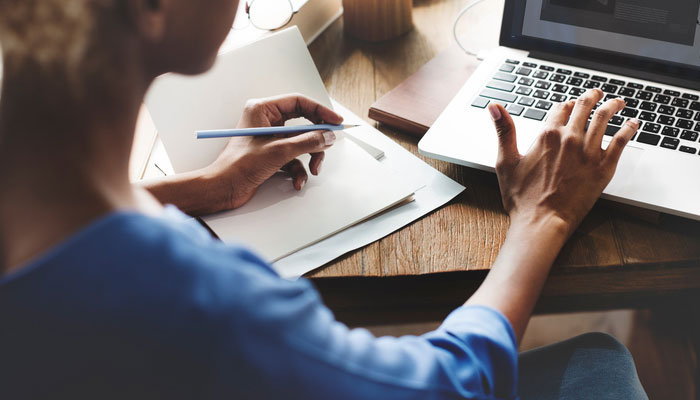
{"x": 278, "y": 220}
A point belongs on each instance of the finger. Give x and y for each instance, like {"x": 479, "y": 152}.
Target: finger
{"x": 620, "y": 140}
{"x": 601, "y": 118}
{"x": 296, "y": 105}
{"x": 316, "y": 162}
{"x": 296, "y": 170}
{"x": 560, "y": 115}
{"x": 505, "y": 128}
{"x": 309, "y": 142}
{"x": 582, "y": 109}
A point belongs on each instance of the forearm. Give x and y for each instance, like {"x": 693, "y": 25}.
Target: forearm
{"x": 516, "y": 279}
{"x": 195, "y": 193}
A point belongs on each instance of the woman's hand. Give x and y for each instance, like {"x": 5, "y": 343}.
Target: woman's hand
{"x": 547, "y": 192}
{"x": 247, "y": 162}
{"x": 566, "y": 170}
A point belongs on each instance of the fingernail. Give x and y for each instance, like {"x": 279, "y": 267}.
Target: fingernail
{"x": 303, "y": 182}
{"x": 318, "y": 169}
{"x": 495, "y": 112}
{"x": 634, "y": 121}
{"x": 329, "y": 138}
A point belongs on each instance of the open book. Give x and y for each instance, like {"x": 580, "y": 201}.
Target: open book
{"x": 278, "y": 220}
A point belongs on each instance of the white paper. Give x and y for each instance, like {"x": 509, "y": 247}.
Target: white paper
{"x": 180, "y": 105}
{"x": 437, "y": 189}
{"x": 280, "y": 220}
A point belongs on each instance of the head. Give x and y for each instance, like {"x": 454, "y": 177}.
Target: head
{"x": 88, "y": 38}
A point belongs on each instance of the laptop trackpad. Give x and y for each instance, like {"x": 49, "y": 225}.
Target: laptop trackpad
{"x": 625, "y": 168}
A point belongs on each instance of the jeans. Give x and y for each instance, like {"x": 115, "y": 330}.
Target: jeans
{"x": 590, "y": 366}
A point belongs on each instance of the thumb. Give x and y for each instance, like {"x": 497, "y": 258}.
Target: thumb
{"x": 505, "y": 129}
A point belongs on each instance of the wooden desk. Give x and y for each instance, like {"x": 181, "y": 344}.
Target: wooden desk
{"x": 425, "y": 270}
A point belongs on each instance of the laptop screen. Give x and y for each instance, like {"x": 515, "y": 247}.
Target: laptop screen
{"x": 658, "y": 31}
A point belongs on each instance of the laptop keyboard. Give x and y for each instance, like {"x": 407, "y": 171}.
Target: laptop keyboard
{"x": 668, "y": 118}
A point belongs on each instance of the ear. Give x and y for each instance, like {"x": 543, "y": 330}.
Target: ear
{"x": 149, "y": 17}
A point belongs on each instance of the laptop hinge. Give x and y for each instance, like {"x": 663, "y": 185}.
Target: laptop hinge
{"x": 617, "y": 69}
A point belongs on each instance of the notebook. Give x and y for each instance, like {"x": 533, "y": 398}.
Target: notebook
{"x": 278, "y": 220}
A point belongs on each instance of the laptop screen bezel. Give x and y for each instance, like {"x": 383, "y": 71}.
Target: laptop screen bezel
{"x": 511, "y": 36}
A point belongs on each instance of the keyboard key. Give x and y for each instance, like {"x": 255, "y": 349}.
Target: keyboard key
{"x": 523, "y": 71}
{"x": 689, "y": 135}
{"x": 576, "y": 92}
{"x": 666, "y": 120}
{"x": 670, "y": 143}
{"x": 635, "y": 85}
{"x": 543, "y": 105}
{"x": 559, "y": 88}
{"x": 670, "y": 131}
{"x": 610, "y": 96}
{"x": 591, "y": 84}
{"x": 526, "y": 81}
{"x": 524, "y": 90}
{"x": 511, "y": 61}
{"x": 564, "y": 71}
{"x": 672, "y": 93}
{"x": 689, "y": 96}
{"x": 557, "y": 78}
{"x": 574, "y": 81}
{"x": 607, "y": 88}
{"x": 695, "y": 106}
{"x": 631, "y": 102}
{"x": 617, "y": 82}
{"x": 507, "y": 68}
{"x": 697, "y": 116}
{"x": 526, "y": 101}
{"x": 500, "y": 85}
{"x": 668, "y": 110}
{"x": 498, "y": 95}
{"x": 651, "y": 127}
{"x": 599, "y": 78}
{"x": 543, "y": 85}
{"x": 546, "y": 68}
{"x": 653, "y": 89}
{"x": 617, "y": 120}
{"x": 687, "y": 114}
{"x": 662, "y": 98}
{"x": 648, "y": 138}
{"x": 480, "y": 102}
{"x": 684, "y": 124}
{"x": 647, "y": 106}
{"x": 582, "y": 75}
{"x": 647, "y": 116}
{"x": 626, "y": 92}
{"x": 502, "y": 76}
{"x": 541, "y": 94}
{"x": 697, "y": 127}
{"x": 642, "y": 95}
{"x": 529, "y": 65}
{"x": 629, "y": 112}
{"x": 540, "y": 75}
{"x": 558, "y": 98}
{"x": 687, "y": 149}
{"x": 515, "y": 110}
{"x": 683, "y": 103}
{"x": 534, "y": 114}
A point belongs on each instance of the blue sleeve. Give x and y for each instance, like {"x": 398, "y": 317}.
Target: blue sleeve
{"x": 282, "y": 342}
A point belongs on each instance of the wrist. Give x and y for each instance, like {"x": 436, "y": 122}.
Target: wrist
{"x": 551, "y": 226}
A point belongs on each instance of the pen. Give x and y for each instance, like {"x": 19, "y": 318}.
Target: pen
{"x": 273, "y": 130}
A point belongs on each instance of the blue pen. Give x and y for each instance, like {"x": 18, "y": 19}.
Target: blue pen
{"x": 273, "y": 130}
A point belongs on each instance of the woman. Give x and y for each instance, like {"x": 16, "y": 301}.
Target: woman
{"x": 105, "y": 293}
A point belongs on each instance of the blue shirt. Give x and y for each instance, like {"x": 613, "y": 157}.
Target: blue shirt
{"x": 154, "y": 307}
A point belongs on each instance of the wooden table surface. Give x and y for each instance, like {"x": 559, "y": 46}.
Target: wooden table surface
{"x": 616, "y": 259}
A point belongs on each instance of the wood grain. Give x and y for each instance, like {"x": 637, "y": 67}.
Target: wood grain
{"x": 377, "y": 20}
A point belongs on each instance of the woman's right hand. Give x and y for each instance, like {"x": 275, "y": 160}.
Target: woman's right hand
{"x": 566, "y": 170}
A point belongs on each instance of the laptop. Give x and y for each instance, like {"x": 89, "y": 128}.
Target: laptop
{"x": 646, "y": 51}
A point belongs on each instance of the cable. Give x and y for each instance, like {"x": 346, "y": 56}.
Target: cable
{"x": 454, "y": 27}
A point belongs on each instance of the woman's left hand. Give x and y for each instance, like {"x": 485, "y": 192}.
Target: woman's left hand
{"x": 247, "y": 162}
